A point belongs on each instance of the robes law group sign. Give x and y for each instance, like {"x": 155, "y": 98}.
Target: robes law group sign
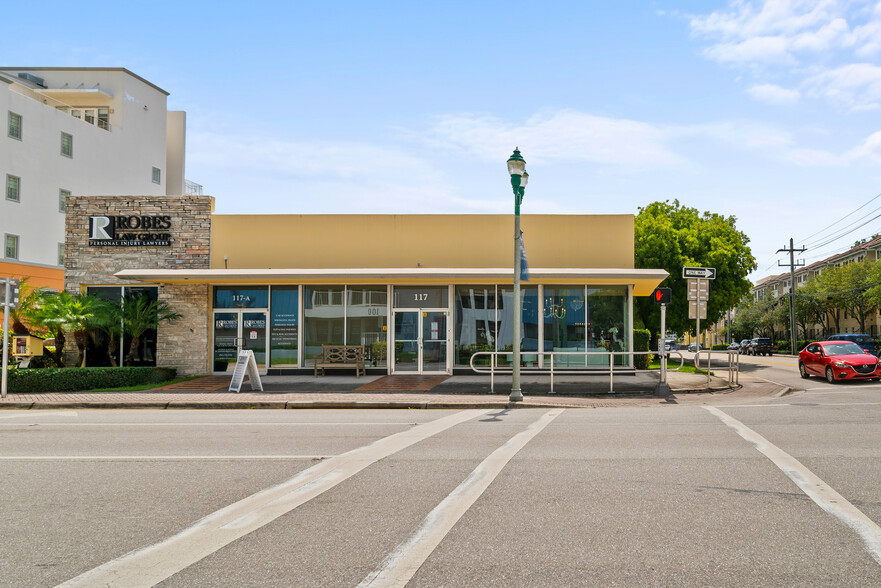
{"x": 129, "y": 231}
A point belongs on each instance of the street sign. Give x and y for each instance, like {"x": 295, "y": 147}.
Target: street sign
{"x": 694, "y": 305}
{"x": 662, "y": 295}
{"x": 707, "y": 273}
{"x": 698, "y": 289}
{"x": 13, "y": 293}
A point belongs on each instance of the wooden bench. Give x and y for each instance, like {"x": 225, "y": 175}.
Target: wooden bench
{"x": 341, "y": 357}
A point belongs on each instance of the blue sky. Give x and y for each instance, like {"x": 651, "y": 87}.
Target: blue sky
{"x": 764, "y": 110}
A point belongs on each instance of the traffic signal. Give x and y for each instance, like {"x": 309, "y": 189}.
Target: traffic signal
{"x": 662, "y": 295}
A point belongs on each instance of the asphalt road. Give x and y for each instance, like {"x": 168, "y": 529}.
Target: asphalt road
{"x": 784, "y": 492}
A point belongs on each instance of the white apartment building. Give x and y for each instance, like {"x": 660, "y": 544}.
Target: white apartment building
{"x": 77, "y": 131}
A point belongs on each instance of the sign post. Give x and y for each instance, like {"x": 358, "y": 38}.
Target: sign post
{"x": 698, "y": 295}
{"x": 10, "y": 300}
{"x": 663, "y": 296}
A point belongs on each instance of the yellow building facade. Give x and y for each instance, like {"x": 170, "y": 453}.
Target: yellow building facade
{"x": 420, "y": 293}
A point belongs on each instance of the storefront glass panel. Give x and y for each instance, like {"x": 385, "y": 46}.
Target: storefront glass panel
{"x": 323, "y": 322}
{"x": 477, "y": 325}
{"x": 434, "y": 341}
{"x": 241, "y": 297}
{"x": 564, "y": 325}
{"x": 284, "y": 326}
{"x": 367, "y": 322}
{"x": 108, "y": 346}
{"x": 226, "y": 332}
{"x": 529, "y": 328}
{"x": 608, "y": 323}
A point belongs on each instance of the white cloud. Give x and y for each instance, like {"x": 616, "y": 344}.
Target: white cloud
{"x": 781, "y": 36}
{"x": 851, "y": 87}
{"x": 774, "y": 94}
{"x": 566, "y": 134}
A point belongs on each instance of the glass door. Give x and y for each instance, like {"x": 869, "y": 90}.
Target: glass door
{"x": 434, "y": 341}
{"x": 420, "y": 341}
{"x": 407, "y": 342}
{"x": 235, "y": 330}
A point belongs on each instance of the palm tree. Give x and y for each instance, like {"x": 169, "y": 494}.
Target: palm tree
{"x": 107, "y": 320}
{"x": 56, "y": 312}
{"x": 141, "y": 314}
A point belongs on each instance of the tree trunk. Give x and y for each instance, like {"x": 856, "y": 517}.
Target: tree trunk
{"x": 82, "y": 341}
{"x": 112, "y": 350}
{"x": 136, "y": 341}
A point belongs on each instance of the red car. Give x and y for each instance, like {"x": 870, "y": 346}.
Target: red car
{"x": 838, "y": 361}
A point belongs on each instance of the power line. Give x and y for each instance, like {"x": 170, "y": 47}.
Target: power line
{"x": 841, "y": 219}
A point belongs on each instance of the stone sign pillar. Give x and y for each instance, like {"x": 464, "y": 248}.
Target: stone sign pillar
{"x": 107, "y": 234}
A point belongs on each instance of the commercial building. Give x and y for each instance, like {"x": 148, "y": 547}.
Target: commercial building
{"x": 74, "y": 131}
{"x": 421, "y": 293}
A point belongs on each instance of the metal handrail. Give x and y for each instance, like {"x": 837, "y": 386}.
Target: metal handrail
{"x": 733, "y": 366}
{"x": 494, "y": 367}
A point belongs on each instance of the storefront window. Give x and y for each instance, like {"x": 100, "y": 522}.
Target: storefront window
{"x": 608, "y": 325}
{"x": 110, "y": 346}
{"x": 323, "y": 320}
{"x": 564, "y": 324}
{"x": 477, "y": 325}
{"x": 244, "y": 297}
{"x": 284, "y": 326}
{"x": 367, "y": 322}
{"x": 529, "y": 328}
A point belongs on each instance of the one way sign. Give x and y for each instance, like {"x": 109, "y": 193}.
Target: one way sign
{"x": 707, "y": 273}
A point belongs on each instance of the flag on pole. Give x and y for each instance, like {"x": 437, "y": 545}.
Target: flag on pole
{"x": 524, "y": 266}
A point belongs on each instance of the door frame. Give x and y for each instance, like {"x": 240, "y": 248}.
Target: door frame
{"x": 420, "y": 329}
{"x": 239, "y": 312}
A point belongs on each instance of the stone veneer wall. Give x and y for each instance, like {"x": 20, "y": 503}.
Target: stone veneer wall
{"x": 182, "y": 344}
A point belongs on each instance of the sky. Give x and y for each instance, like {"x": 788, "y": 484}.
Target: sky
{"x": 767, "y": 111}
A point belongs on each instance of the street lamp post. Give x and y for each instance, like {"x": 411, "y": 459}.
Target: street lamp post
{"x": 519, "y": 177}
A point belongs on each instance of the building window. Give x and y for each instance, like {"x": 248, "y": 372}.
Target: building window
{"x": 93, "y": 115}
{"x": 66, "y": 144}
{"x": 12, "y": 246}
{"x": 15, "y": 126}
{"x": 61, "y": 254}
{"x": 13, "y": 188}
{"x": 62, "y": 200}
{"x": 113, "y": 347}
{"x": 157, "y": 175}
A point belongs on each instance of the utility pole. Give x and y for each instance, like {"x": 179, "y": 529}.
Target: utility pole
{"x": 792, "y": 265}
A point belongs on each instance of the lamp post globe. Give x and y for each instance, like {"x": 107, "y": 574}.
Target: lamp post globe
{"x": 519, "y": 178}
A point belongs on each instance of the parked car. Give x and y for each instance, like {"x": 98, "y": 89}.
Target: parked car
{"x": 861, "y": 339}
{"x": 759, "y": 346}
{"x": 838, "y": 361}
{"x": 693, "y": 347}
{"x": 734, "y": 346}
{"x": 744, "y": 343}
{"x": 671, "y": 345}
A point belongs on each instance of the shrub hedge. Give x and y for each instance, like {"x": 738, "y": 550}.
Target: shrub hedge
{"x": 641, "y": 341}
{"x": 89, "y": 378}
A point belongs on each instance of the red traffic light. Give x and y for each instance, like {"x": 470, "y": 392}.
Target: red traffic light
{"x": 662, "y": 295}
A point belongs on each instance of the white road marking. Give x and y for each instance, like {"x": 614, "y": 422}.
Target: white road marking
{"x": 152, "y": 457}
{"x": 398, "y": 568}
{"x": 790, "y": 404}
{"x": 30, "y": 414}
{"x": 817, "y": 490}
{"x": 265, "y": 424}
{"x": 153, "y": 564}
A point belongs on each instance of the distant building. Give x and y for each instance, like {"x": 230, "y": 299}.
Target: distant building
{"x": 77, "y": 131}
{"x": 778, "y": 286}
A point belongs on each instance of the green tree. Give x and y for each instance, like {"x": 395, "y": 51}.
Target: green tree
{"x": 856, "y": 279}
{"x": 107, "y": 322}
{"x": 141, "y": 314}
{"x": 831, "y": 283}
{"x": 671, "y": 236}
{"x": 59, "y": 311}
{"x": 809, "y": 306}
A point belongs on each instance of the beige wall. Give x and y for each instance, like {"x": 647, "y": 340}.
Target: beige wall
{"x": 430, "y": 241}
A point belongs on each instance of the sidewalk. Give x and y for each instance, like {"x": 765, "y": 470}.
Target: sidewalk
{"x": 288, "y": 392}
